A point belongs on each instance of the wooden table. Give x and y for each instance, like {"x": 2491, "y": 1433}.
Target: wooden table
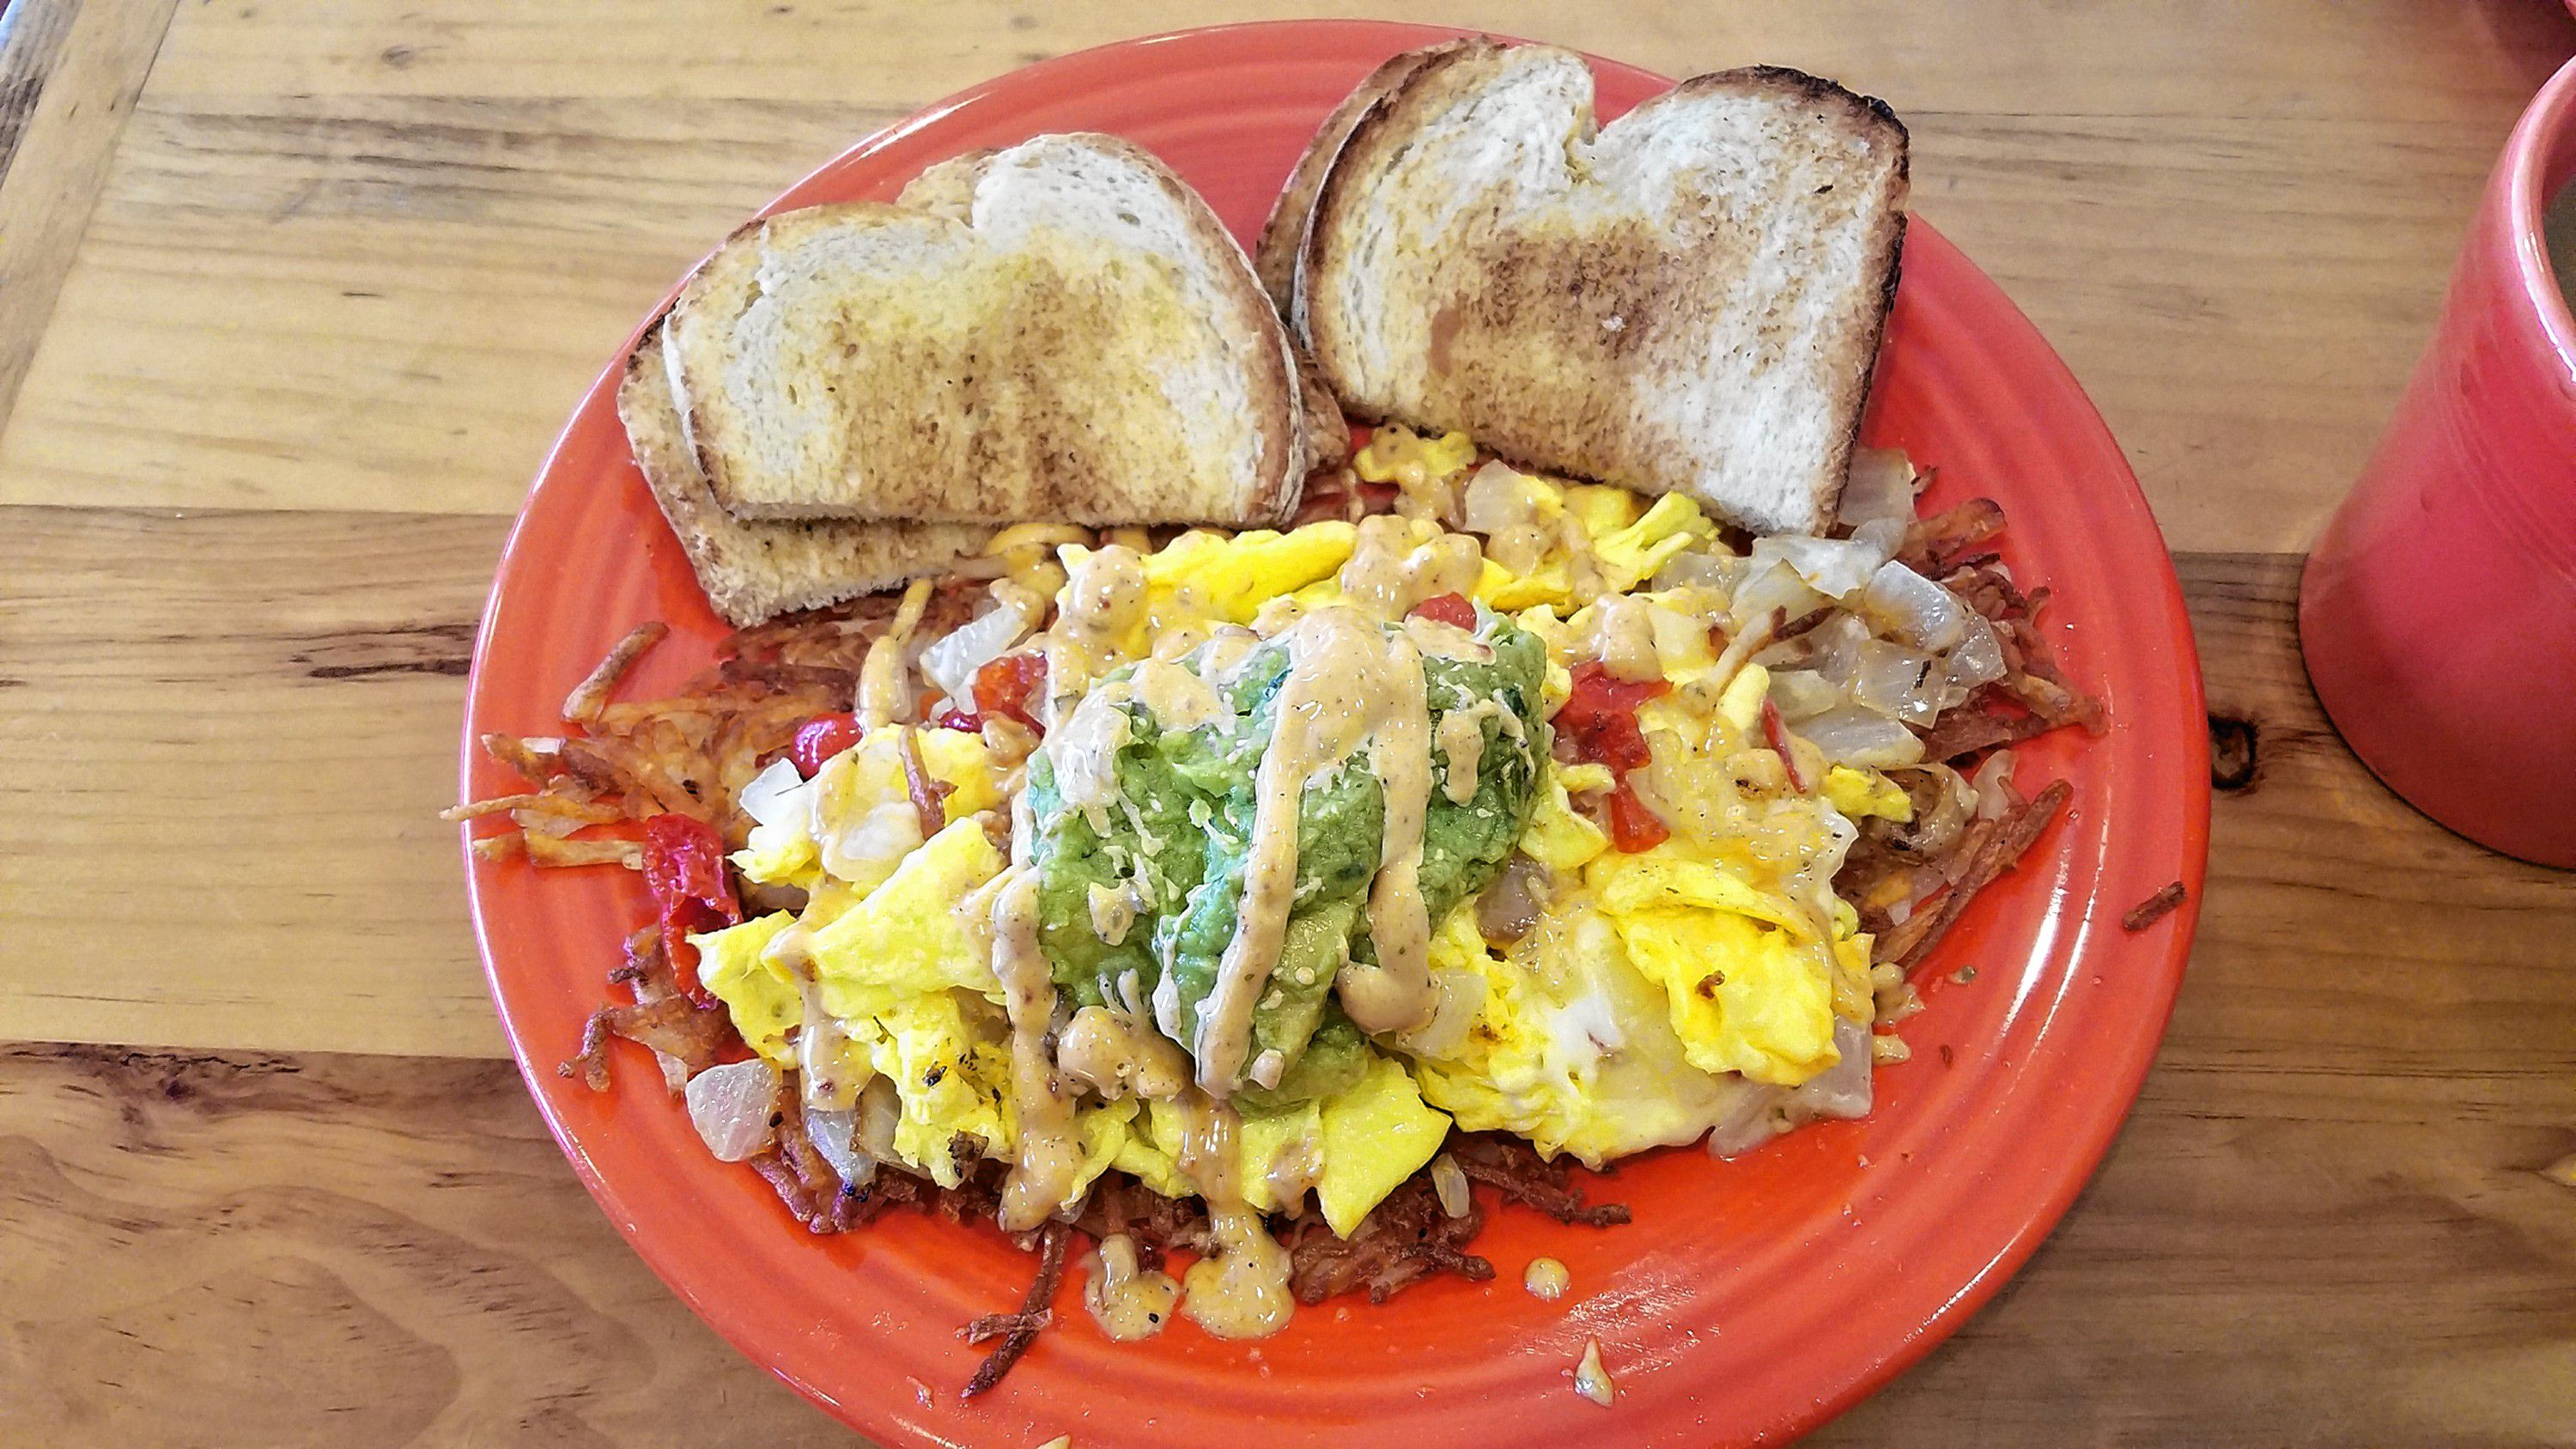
{"x": 293, "y": 294}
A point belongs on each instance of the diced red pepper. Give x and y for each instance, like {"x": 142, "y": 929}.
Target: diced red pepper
{"x": 822, "y": 737}
{"x": 1777, "y": 735}
{"x": 1004, "y": 685}
{"x": 684, "y": 868}
{"x": 1634, "y": 827}
{"x": 1450, "y": 609}
{"x": 1600, "y": 716}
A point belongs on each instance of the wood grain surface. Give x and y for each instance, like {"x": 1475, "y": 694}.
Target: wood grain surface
{"x": 294, "y": 293}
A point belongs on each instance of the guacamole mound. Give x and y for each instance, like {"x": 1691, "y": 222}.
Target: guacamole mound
{"x": 1177, "y": 841}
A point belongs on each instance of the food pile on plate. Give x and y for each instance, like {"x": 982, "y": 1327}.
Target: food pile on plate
{"x": 1142, "y": 809}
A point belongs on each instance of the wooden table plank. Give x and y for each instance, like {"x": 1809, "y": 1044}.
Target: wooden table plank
{"x": 312, "y": 306}
{"x": 69, "y": 75}
{"x": 322, "y": 278}
{"x": 241, "y": 756}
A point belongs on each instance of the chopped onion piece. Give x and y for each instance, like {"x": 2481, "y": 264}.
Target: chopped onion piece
{"x": 1880, "y": 486}
{"x": 1979, "y": 657}
{"x": 775, "y": 796}
{"x": 731, "y": 1105}
{"x": 1449, "y": 1180}
{"x": 1834, "y": 566}
{"x": 1896, "y": 681}
{"x": 1912, "y": 609}
{"x": 1851, "y": 735}
{"x": 1769, "y": 584}
{"x": 951, "y": 663}
{"x": 1692, "y": 568}
{"x": 1834, "y": 649}
{"x": 835, "y": 1135}
{"x": 1497, "y": 497}
{"x": 1841, "y": 1090}
{"x": 880, "y": 1112}
{"x": 1803, "y": 693}
{"x": 1994, "y": 802}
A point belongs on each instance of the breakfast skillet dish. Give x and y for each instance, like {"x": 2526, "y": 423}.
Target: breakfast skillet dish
{"x": 1297, "y": 835}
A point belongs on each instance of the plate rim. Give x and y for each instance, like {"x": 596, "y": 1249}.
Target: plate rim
{"x": 2096, "y": 1131}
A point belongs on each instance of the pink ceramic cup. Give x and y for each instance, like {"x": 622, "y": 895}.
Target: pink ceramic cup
{"x": 2438, "y": 612}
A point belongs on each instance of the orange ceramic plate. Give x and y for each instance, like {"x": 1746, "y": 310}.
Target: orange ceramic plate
{"x": 1749, "y": 1299}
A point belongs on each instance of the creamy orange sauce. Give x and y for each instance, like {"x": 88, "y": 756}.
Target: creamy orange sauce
{"x": 1546, "y": 1279}
{"x": 1388, "y": 572}
{"x": 1462, "y": 740}
{"x": 884, "y": 696}
{"x": 1128, "y": 1302}
{"x": 1117, "y": 1056}
{"x": 1050, "y": 1150}
{"x": 1333, "y": 696}
{"x": 1394, "y": 993}
{"x": 1294, "y": 1170}
{"x": 1591, "y": 1380}
{"x": 1623, "y": 638}
{"x": 1206, "y": 1153}
{"x": 1240, "y": 1290}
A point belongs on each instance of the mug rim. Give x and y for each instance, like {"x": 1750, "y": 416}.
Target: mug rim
{"x": 2545, "y": 123}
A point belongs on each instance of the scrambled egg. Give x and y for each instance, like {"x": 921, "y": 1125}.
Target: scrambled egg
{"x": 1655, "y": 992}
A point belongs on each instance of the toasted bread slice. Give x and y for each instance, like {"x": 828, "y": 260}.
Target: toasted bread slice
{"x": 1060, "y": 330}
{"x": 1689, "y": 299}
{"x": 1283, "y": 236}
{"x": 752, "y": 571}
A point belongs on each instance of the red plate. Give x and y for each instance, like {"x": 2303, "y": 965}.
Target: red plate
{"x": 1750, "y": 1299}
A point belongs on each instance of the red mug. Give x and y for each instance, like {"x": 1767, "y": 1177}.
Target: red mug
{"x": 2438, "y": 612}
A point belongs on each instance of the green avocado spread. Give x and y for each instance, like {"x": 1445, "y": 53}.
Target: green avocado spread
{"x": 1173, "y": 845}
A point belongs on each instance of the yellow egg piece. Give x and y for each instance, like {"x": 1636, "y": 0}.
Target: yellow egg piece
{"x": 904, "y": 939}
{"x": 763, "y": 1002}
{"x": 1743, "y": 997}
{"x": 1376, "y": 1133}
{"x": 1866, "y": 792}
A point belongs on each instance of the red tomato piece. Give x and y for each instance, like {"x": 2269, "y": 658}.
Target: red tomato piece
{"x": 1776, "y": 735}
{"x": 1600, "y": 716}
{"x": 822, "y": 737}
{"x": 1634, "y": 826}
{"x": 684, "y": 868}
{"x": 1450, "y": 609}
{"x": 1003, "y": 687}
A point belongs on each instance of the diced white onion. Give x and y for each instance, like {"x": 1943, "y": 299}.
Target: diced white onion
{"x": 1851, "y": 735}
{"x": 1692, "y": 568}
{"x": 1879, "y": 486}
{"x": 1979, "y": 658}
{"x": 776, "y": 796}
{"x": 1834, "y": 649}
{"x": 1770, "y": 584}
{"x": 1841, "y": 1090}
{"x": 731, "y": 1105}
{"x": 1449, "y": 1180}
{"x": 1803, "y": 693}
{"x": 1912, "y": 609}
{"x": 1897, "y": 682}
{"x": 1835, "y": 566}
{"x": 1497, "y": 497}
{"x": 835, "y": 1135}
{"x": 1989, "y": 781}
{"x": 880, "y": 1112}
{"x": 952, "y": 662}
